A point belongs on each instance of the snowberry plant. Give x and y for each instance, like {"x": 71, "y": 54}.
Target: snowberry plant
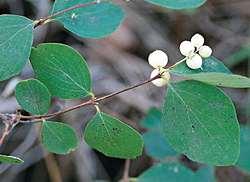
{"x": 198, "y": 118}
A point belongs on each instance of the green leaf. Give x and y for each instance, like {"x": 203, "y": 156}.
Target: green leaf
{"x": 210, "y": 64}
{"x": 152, "y": 120}
{"x": 221, "y": 79}
{"x": 243, "y": 54}
{"x": 33, "y": 96}
{"x": 113, "y": 137}
{"x": 10, "y": 159}
{"x": 213, "y": 72}
{"x": 244, "y": 159}
{"x": 156, "y": 145}
{"x": 62, "y": 69}
{"x": 200, "y": 121}
{"x": 16, "y": 37}
{"x": 91, "y": 21}
{"x": 58, "y": 137}
{"x": 178, "y": 4}
{"x": 176, "y": 172}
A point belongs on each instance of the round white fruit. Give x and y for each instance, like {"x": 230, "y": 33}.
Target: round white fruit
{"x": 205, "y": 51}
{"x": 197, "y": 40}
{"x": 158, "y": 59}
{"x": 160, "y": 82}
{"x": 195, "y": 62}
{"x": 186, "y": 48}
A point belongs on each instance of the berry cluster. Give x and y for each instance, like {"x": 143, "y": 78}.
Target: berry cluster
{"x": 193, "y": 51}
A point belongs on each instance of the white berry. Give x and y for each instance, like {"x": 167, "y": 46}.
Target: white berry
{"x": 205, "y": 51}
{"x": 195, "y": 62}
{"x": 186, "y": 48}
{"x": 197, "y": 40}
{"x": 159, "y": 82}
{"x": 158, "y": 58}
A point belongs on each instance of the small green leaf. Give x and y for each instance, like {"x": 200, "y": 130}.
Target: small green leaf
{"x": 178, "y": 4}
{"x": 200, "y": 121}
{"x": 58, "y": 137}
{"x": 241, "y": 55}
{"x": 210, "y": 64}
{"x": 91, "y": 21}
{"x": 62, "y": 69}
{"x": 244, "y": 159}
{"x": 113, "y": 137}
{"x": 33, "y": 96}
{"x": 10, "y": 159}
{"x": 16, "y": 37}
{"x": 213, "y": 72}
{"x": 221, "y": 79}
{"x": 152, "y": 120}
{"x": 175, "y": 173}
{"x": 156, "y": 145}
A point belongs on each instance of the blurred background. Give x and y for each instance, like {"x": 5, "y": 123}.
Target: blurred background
{"x": 116, "y": 62}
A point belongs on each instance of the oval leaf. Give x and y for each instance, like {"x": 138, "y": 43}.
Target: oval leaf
{"x": 221, "y": 79}
{"x": 239, "y": 56}
{"x": 244, "y": 159}
{"x": 58, "y": 137}
{"x": 33, "y": 96}
{"x": 210, "y": 64}
{"x": 92, "y": 20}
{"x": 175, "y": 173}
{"x": 10, "y": 159}
{"x": 113, "y": 137}
{"x": 156, "y": 145}
{"x": 62, "y": 69}
{"x": 16, "y": 37}
{"x": 178, "y": 4}
{"x": 200, "y": 121}
{"x": 152, "y": 120}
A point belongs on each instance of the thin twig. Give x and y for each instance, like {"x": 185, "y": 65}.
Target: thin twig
{"x": 92, "y": 101}
{"x": 37, "y": 118}
{"x": 179, "y": 62}
{"x": 126, "y": 89}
